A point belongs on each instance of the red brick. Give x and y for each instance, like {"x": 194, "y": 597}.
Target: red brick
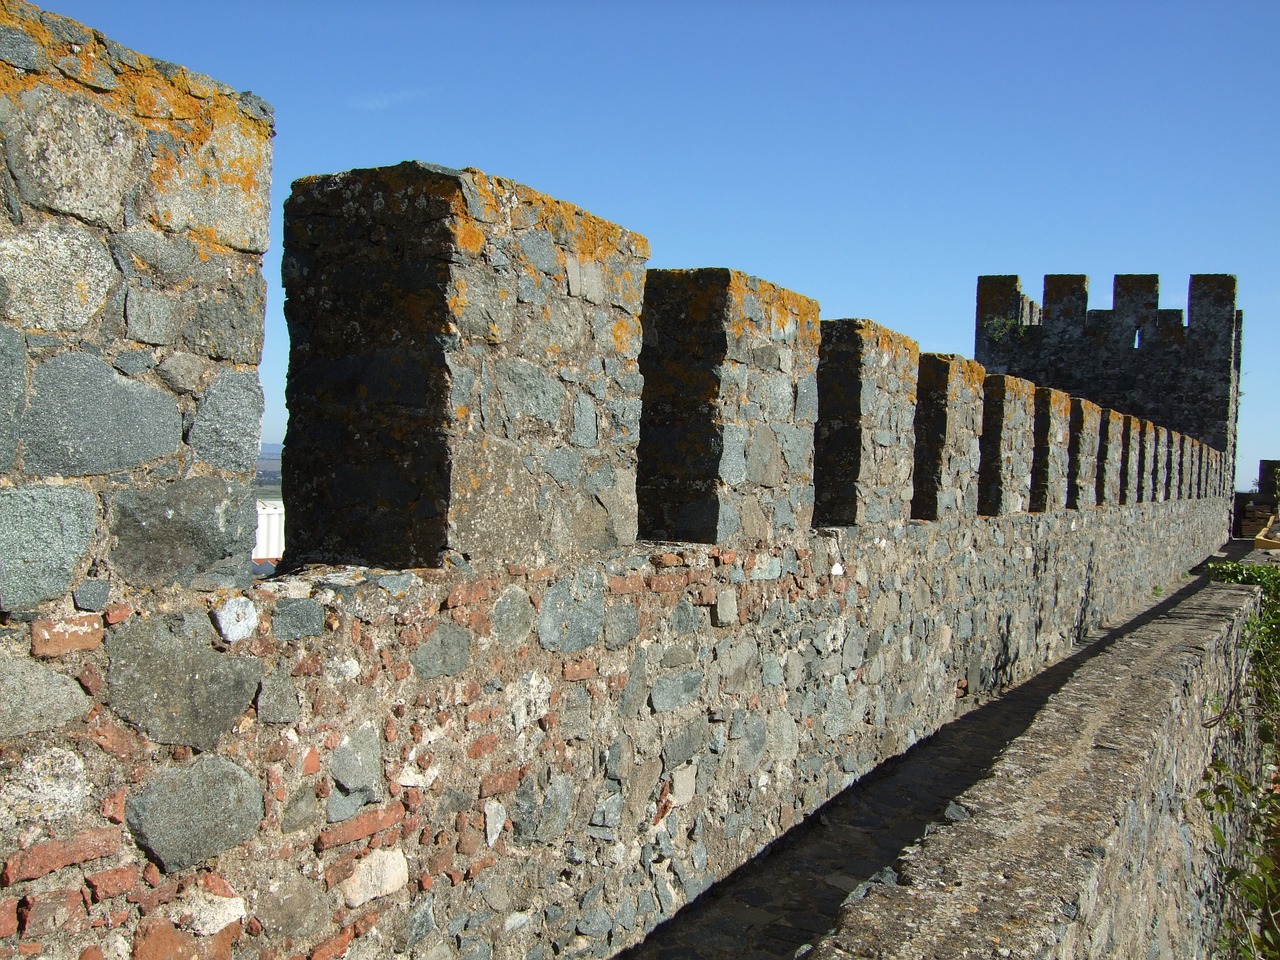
{"x": 112, "y": 883}
{"x": 148, "y": 901}
{"x": 92, "y": 953}
{"x": 469, "y": 594}
{"x": 46, "y": 913}
{"x": 334, "y": 947}
{"x": 117, "y": 612}
{"x": 8, "y": 916}
{"x": 91, "y": 678}
{"x": 667, "y": 560}
{"x": 44, "y": 858}
{"x": 484, "y": 863}
{"x": 470, "y": 841}
{"x": 580, "y": 670}
{"x": 482, "y": 746}
{"x": 113, "y": 738}
{"x": 360, "y": 826}
{"x": 704, "y": 596}
{"x": 504, "y": 781}
{"x": 159, "y": 939}
{"x": 310, "y": 762}
{"x": 53, "y": 638}
{"x": 631, "y": 584}
{"x": 666, "y": 582}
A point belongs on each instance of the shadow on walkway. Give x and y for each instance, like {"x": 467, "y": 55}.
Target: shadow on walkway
{"x": 790, "y": 895}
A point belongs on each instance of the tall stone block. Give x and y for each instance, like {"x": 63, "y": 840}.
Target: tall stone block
{"x": 864, "y": 456}
{"x": 948, "y": 428}
{"x": 1052, "y": 448}
{"x": 730, "y": 398}
{"x": 136, "y": 199}
{"x": 1008, "y": 444}
{"x": 1160, "y": 477}
{"x": 463, "y": 373}
{"x": 1176, "y": 455}
{"x": 1111, "y": 438}
{"x": 1147, "y": 462}
{"x": 1131, "y": 469}
{"x": 1082, "y": 458}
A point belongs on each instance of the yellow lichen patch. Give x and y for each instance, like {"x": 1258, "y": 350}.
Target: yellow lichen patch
{"x": 626, "y": 330}
{"x": 457, "y": 300}
{"x": 469, "y": 237}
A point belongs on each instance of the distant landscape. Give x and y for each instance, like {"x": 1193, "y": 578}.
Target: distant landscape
{"x": 267, "y": 480}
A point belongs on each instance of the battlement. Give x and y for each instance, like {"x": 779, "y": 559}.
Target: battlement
{"x": 1182, "y": 371}
{"x": 672, "y": 562}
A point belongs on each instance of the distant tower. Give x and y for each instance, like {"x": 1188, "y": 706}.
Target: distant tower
{"x": 1135, "y": 358}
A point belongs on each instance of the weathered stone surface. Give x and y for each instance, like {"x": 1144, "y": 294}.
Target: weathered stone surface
{"x": 186, "y": 815}
{"x": 225, "y": 433}
{"x": 184, "y": 530}
{"x": 13, "y": 388}
{"x": 165, "y": 677}
{"x": 44, "y": 533}
{"x": 49, "y": 786}
{"x": 446, "y": 653}
{"x": 55, "y": 277}
{"x": 513, "y": 616}
{"x": 227, "y": 323}
{"x": 572, "y": 614}
{"x": 380, "y": 874}
{"x": 19, "y": 50}
{"x": 34, "y": 698}
{"x": 278, "y": 699}
{"x": 83, "y": 418}
{"x": 356, "y": 768}
{"x": 151, "y": 317}
{"x": 182, "y": 372}
{"x": 295, "y": 618}
{"x": 69, "y": 154}
{"x": 672, "y": 692}
{"x": 685, "y": 743}
{"x": 236, "y": 619}
{"x": 289, "y": 905}
{"x": 235, "y": 208}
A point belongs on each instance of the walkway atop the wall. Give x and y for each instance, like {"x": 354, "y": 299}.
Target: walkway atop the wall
{"x": 791, "y": 896}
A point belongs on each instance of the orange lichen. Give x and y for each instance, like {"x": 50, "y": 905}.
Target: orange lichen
{"x": 469, "y": 237}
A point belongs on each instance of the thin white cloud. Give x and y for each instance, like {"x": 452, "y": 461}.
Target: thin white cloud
{"x": 383, "y": 101}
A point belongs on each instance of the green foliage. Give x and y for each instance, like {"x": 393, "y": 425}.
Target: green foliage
{"x": 1003, "y": 328}
{"x": 1251, "y": 916}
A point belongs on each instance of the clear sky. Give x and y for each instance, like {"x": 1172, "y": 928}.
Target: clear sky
{"x": 875, "y": 156}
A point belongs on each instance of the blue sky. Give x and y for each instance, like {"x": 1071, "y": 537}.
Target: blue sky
{"x": 875, "y": 156}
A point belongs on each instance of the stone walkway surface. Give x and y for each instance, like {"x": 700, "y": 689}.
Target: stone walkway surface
{"x": 791, "y": 896}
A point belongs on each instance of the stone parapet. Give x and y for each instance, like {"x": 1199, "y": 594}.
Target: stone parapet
{"x": 135, "y": 196}
{"x": 726, "y": 448}
{"x": 1111, "y": 455}
{"x": 947, "y": 431}
{"x": 1085, "y": 452}
{"x": 453, "y": 334}
{"x": 865, "y": 439}
{"x": 1051, "y": 459}
{"x": 1008, "y": 435}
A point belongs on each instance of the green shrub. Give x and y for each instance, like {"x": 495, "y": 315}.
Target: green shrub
{"x": 1251, "y": 916}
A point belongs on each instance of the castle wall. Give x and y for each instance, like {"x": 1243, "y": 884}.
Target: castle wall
{"x": 1135, "y": 357}
{"x": 514, "y": 729}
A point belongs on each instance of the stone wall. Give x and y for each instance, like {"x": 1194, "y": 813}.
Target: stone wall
{"x": 452, "y": 333}
{"x": 1135, "y": 357}
{"x": 131, "y": 316}
{"x": 1086, "y": 833}
{"x": 515, "y": 730}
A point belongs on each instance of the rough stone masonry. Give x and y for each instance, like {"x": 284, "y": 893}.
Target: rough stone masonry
{"x": 515, "y": 729}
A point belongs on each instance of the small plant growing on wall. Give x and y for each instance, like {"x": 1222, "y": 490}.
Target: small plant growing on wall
{"x": 1251, "y": 914}
{"x": 1000, "y": 329}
